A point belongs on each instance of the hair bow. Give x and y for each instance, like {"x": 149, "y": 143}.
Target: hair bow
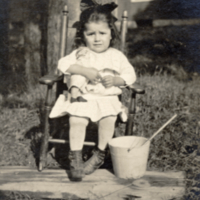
{"x": 89, "y": 4}
{"x": 85, "y": 4}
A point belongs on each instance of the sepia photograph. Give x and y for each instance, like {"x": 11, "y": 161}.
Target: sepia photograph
{"x": 123, "y": 124}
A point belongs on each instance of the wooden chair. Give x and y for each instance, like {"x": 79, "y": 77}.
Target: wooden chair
{"x": 57, "y": 79}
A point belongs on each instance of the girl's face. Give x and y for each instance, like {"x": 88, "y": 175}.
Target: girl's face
{"x": 97, "y": 36}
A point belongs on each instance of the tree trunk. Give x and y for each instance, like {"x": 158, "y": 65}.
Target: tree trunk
{"x": 35, "y": 35}
{"x": 74, "y": 13}
{"x": 54, "y": 30}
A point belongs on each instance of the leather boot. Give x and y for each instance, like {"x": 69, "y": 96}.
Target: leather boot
{"x": 94, "y": 162}
{"x": 76, "y": 165}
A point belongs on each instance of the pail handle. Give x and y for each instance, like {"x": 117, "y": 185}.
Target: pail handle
{"x": 158, "y": 131}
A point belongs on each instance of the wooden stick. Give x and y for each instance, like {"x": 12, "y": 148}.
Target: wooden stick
{"x": 158, "y": 131}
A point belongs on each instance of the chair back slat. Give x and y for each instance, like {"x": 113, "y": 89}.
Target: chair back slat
{"x": 123, "y": 31}
{"x": 64, "y": 32}
{"x": 63, "y": 37}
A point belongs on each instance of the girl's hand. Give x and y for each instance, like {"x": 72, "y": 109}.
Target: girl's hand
{"x": 108, "y": 81}
{"x": 93, "y": 75}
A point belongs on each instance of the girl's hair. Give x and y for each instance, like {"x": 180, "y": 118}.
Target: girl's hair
{"x": 94, "y": 14}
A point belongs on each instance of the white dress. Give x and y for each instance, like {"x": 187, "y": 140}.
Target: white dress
{"x": 97, "y": 106}
{"x": 87, "y": 58}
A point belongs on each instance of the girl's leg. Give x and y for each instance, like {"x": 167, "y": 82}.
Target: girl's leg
{"x": 75, "y": 92}
{"x": 106, "y": 128}
{"x": 77, "y": 132}
{"x": 76, "y": 83}
{"x": 77, "y": 136}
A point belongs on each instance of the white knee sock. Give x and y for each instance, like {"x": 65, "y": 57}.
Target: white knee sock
{"x": 77, "y": 132}
{"x": 106, "y": 131}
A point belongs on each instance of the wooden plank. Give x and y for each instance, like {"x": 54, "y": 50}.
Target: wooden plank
{"x": 54, "y": 183}
{"x": 175, "y": 22}
{"x": 163, "y": 22}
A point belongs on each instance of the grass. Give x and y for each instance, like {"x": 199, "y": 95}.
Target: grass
{"x": 19, "y": 116}
{"x": 177, "y": 147}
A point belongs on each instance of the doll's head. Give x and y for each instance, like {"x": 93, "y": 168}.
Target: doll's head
{"x": 96, "y": 29}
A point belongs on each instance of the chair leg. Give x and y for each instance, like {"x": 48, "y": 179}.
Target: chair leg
{"x": 132, "y": 111}
{"x": 45, "y": 141}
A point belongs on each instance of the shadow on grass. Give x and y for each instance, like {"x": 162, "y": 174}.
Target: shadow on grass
{"x": 58, "y": 153}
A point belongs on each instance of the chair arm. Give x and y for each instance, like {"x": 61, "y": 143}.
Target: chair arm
{"x": 50, "y": 79}
{"x": 138, "y": 89}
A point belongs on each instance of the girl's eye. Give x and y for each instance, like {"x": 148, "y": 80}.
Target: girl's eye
{"x": 102, "y": 33}
{"x": 90, "y": 34}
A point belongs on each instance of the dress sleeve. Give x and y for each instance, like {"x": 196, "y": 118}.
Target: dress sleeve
{"x": 127, "y": 72}
{"x": 65, "y": 62}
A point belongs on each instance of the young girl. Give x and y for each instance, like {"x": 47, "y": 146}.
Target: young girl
{"x": 97, "y": 34}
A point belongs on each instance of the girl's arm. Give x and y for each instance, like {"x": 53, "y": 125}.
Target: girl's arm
{"x": 90, "y": 73}
{"x": 76, "y": 69}
{"x": 127, "y": 71}
{"x": 65, "y": 62}
{"x": 66, "y": 66}
{"x": 127, "y": 74}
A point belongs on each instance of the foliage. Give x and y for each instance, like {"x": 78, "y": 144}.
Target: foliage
{"x": 171, "y": 49}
